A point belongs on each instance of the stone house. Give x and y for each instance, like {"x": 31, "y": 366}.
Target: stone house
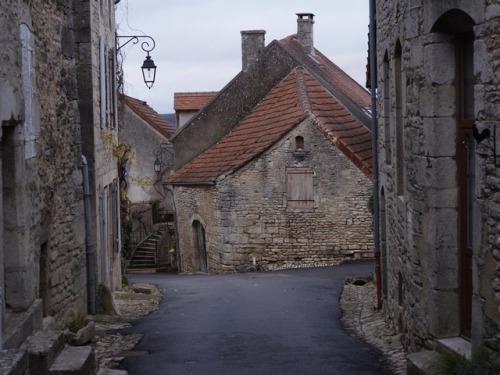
{"x": 437, "y": 77}
{"x": 187, "y": 104}
{"x": 288, "y": 184}
{"x": 147, "y": 135}
{"x": 58, "y": 63}
{"x": 95, "y": 55}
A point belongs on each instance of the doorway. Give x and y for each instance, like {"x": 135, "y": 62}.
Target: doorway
{"x": 44, "y": 280}
{"x": 466, "y": 175}
{"x": 201, "y": 244}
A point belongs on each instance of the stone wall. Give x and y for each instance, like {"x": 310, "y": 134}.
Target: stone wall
{"x": 419, "y": 166}
{"x": 246, "y": 215}
{"x": 43, "y": 248}
{"x": 95, "y": 54}
{"x": 144, "y": 184}
{"x": 220, "y": 116}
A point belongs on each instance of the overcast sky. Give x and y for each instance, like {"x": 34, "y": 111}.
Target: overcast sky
{"x": 198, "y": 42}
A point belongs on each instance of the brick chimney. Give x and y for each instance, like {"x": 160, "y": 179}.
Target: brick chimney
{"x": 305, "y": 22}
{"x": 252, "y": 46}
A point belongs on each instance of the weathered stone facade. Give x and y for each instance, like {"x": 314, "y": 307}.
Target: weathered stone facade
{"x": 146, "y": 133}
{"x": 95, "y": 54}
{"x": 43, "y": 239}
{"x": 247, "y": 220}
{"x": 437, "y": 82}
{"x": 43, "y": 107}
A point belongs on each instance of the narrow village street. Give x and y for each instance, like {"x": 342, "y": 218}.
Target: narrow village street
{"x": 282, "y": 322}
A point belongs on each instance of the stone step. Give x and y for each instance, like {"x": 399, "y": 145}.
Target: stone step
{"x": 422, "y": 363}
{"x": 20, "y": 325}
{"x": 43, "y": 347}
{"x": 141, "y": 270}
{"x": 454, "y": 346}
{"x": 14, "y": 362}
{"x": 143, "y": 259}
{"x": 147, "y": 252}
{"x": 75, "y": 360}
{"x": 429, "y": 362}
{"x": 109, "y": 371}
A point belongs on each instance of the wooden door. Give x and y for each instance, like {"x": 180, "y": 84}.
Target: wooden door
{"x": 466, "y": 175}
{"x": 202, "y": 250}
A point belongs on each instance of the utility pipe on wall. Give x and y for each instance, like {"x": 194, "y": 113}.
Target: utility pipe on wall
{"x": 374, "y": 126}
{"x": 89, "y": 242}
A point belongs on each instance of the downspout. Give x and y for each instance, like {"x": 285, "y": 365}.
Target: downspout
{"x": 89, "y": 247}
{"x": 374, "y": 126}
{"x": 170, "y": 188}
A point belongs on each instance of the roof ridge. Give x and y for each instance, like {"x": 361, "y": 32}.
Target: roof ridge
{"x": 304, "y": 101}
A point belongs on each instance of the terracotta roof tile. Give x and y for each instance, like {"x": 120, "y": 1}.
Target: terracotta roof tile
{"x": 150, "y": 116}
{"x": 192, "y": 101}
{"x": 335, "y": 80}
{"x": 294, "y": 99}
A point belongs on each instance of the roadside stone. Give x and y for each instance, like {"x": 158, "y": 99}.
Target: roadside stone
{"x": 84, "y": 335}
{"x": 106, "y": 300}
{"x": 361, "y": 318}
{"x": 131, "y": 303}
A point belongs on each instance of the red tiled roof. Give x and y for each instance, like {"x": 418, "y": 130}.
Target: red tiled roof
{"x": 345, "y": 89}
{"x": 150, "y": 116}
{"x": 192, "y": 101}
{"x": 294, "y": 99}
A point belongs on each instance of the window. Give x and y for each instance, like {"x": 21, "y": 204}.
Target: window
{"x": 30, "y": 132}
{"x": 102, "y": 82}
{"x": 386, "y": 108}
{"x": 299, "y": 143}
{"x": 399, "y": 92}
{"x": 299, "y": 187}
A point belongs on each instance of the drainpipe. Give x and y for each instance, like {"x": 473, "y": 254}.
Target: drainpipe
{"x": 89, "y": 247}
{"x": 2, "y": 317}
{"x": 170, "y": 188}
{"x": 374, "y": 126}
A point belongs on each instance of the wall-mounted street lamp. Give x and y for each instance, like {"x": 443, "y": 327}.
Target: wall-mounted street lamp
{"x": 159, "y": 151}
{"x": 148, "y": 66}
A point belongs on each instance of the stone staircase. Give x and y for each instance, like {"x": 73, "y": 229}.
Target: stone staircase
{"x": 32, "y": 347}
{"x": 144, "y": 257}
{"x": 428, "y": 362}
{"x": 45, "y": 353}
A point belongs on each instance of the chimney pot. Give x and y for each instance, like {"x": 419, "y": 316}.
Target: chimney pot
{"x": 252, "y": 46}
{"x": 305, "y": 22}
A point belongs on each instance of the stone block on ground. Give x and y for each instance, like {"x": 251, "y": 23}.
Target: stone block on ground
{"x": 19, "y": 325}
{"x": 106, "y": 302}
{"x": 109, "y": 371}
{"x": 43, "y": 347}
{"x": 75, "y": 360}
{"x": 84, "y": 335}
{"x": 422, "y": 363}
{"x": 13, "y": 362}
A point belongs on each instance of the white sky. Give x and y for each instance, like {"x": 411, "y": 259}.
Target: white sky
{"x": 198, "y": 42}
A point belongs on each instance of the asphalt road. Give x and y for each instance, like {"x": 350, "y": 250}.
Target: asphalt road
{"x": 282, "y": 322}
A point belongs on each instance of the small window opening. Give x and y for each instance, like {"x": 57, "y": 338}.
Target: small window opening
{"x": 299, "y": 143}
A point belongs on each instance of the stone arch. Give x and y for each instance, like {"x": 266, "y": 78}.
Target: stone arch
{"x": 454, "y": 21}
{"x": 449, "y": 108}
{"x": 452, "y": 15}
{"x": 198, "y": 249}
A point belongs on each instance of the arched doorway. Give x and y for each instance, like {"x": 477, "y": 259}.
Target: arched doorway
{"x": 199, "y": 232}
{"x": 459, "y": 25}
